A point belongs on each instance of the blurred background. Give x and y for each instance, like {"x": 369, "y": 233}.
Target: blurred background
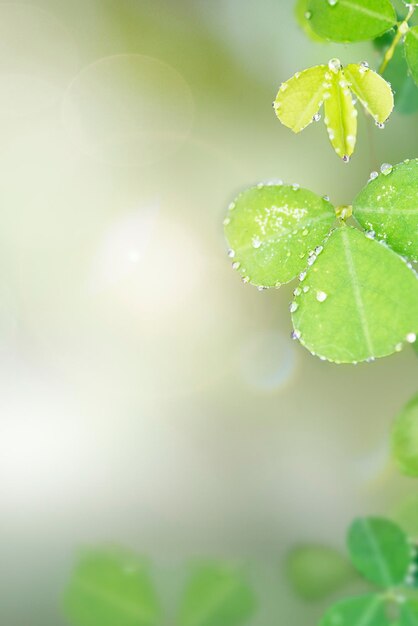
{"x": 147, "y": 397}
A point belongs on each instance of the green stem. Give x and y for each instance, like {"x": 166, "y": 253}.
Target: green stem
{"x": 402, "y": 30}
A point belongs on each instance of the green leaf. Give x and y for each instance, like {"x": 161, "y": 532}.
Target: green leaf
{"x": 358, "y": 301}
{"x": 340, "y": 115}
{"x": 369, "y": 610}
{"x": 303, "y": 19}
{"x": 111, "y": 587}
{"x": 404, "y": 87}
{"x": 372, "y": 90}
{"x": 300, "y": 98}
{"x": 316, "y": 572}
{"x": 388, "y": 206}
{"x": 271, "y": 228}
{"x": 379, "y": 550}
{"x": 216, "y": 594}
{"x": 409, "y": 613}
{"x": 411, "y": 51}
{"x": 405, "y": 439}
{"x": 351, "y": 20}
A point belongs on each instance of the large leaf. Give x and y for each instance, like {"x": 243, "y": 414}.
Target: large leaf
{"x": 216, "y": 594}
{"x": 316, "y": 571}
{"x": 388, "y": 206}
{"x": 358, "y": 301}
{"x": 351, "y": 20}
{"x": 271, "y": 228}
{"x": 369, "y": 610}
{"x": 409, "y": 613}
{"x": 340, "y": 116}
{"x": 379, "y": 550}
{"x": 372, "y": 90}
{"x": 405, "y": 439}
{"x": 111, "y": 588}
{"x": 411, "y": 51}
{"x": 300, "y": 98}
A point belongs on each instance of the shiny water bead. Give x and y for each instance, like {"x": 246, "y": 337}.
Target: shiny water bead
{"x": 293, "y": 307}
{"x": 346, "y": 158}
{"x": 334, "y": 64}
{"x": 296, "y": 335}
{"x": 297, "y": 291}
{"x": 332, "y": 3}
{"x": 316, "y": 117}
{"x": 411, "y": 337}
{"x": 373, "y": 175}
{"x": 231, "y": 253}
{"x": 256, "y": 242}
{"x": 321, "y": 296}
{"x": 308, "y": 15}
{"x": 386, "y": 168}
{"x": 236, "y": 265}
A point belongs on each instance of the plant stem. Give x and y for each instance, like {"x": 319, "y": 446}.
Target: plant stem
{"x": 402, "y": 30}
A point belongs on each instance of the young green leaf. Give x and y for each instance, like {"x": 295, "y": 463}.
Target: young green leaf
{"x": 351, "y": 20}
{"x": 300, "y": 98}
{"x": 303, "y": 19}
{"x": 111, "y": 587}
{"x": 379, "y": 550}
{"x": 216, "y": 594}
{"x": 369, "y": 610}
{"x": 271, "y": 228}
{"x": 358, "y": 300}
{"x": 404, "y": 87}
{"x": 405, "y": 439}
{"x": 340, "y": 116}
{"x": 316, "y": 572}
{"x": 372, "y": 90}
{"x": 388, "y": 206}
{"x": 411, "y": 51}
{"x": 409, "y": 613}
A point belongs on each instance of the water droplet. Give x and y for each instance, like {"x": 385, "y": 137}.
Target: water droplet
{"x": 327, "y": 95}
{"x": 236, "y": 265}
{"x": 232, "y": 206}
{"x": 231, "y": 253}
{"x": 302, "y": 276}
{"x": 316, "y": 117}
{"x": 334, "y": 64}
{"x": 318, "y": 250}
{"x": 411, "y": 337}
{"x": 326, "y": 198}
{"x": 297, "y": 291}
{"x": 261, "y": 288}
{"x": 311, "y": 259}
{"x": 296, "y": 335}
{"x": 295, "y": 186}
{"x": 372, "y": 176}
{"x": 346, "y": 158}
{"x": 370, "y": 234}
{"x": 305, "y": 232}
{"x": 227, "y": 221}
{"x": 297, "y": 75}
{"x": 256, "y": 242}
{"x": 293, "y": 307}
{"x": 380, "y": 125}
{"x": 386, "y": 168}
{"x": 308, "y": 15}
{"x": 321, "y": 296}
{"x": 364, "y": 64}
{"x": 398, "y": 347}
{"x": 306, "y": 289}
{"x": 283, "y": 87}
{"x": 245, "y": 279}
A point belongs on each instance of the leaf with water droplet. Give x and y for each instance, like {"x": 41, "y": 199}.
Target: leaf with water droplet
{"x": 372, "y": 90}
{"x": 216, "y": 594}
{"x": 371, "y": 304}
{"x": 351, "y": 20}
{"x": 340, "y": 116}
{"x": 389, "y": 206}
{"x": 109, "y": 587}
{"x": 315, "y": 572}
{"x": 303, "y": 19}
{"x": 411, "y": 51}
{"x": 368, "y": 610}
{"x": 301, "y": 97}
{"x": 404, "y": 439}
{"x": 272, "y": 228}
{"x": 379, "y": 549}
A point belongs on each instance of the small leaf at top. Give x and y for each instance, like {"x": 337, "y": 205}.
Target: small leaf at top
{"x": 111, "y": 587}
{"x": 411, "y": 51}
{"x": 368, "y": 610}
{"x": 372, "y": 90}
{"x": 316, "y": 571}
{"x": 409, "y": 613}
{"x": 405, "y": 439}
{"x": 340, "y": 115}
{"x": 300, "y": 98}
{"x": 379, "y": 550}
{"x": 351, "y": 20}
{"x": 216, "y": 594}
{"x": 388, "y": 206}
{"x": 358, "y": 300}
{"x": 271, "y": 228}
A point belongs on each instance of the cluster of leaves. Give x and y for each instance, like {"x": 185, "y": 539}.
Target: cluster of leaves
{"x": 113, "y": 587}
{"x": 383, "y": 555}
{"x": 358, "y": 293}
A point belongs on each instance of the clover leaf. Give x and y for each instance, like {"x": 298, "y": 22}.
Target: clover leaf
{"x": 368, "y": 610}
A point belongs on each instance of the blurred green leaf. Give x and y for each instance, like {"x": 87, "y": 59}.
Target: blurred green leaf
{"x": 351, "y": 20}
{"x": 300, "y": 98}
{"x": 409, "y": 613}
{"x": 340, "y": 115}
{"x": 405, "y": 439}
{"x": 367, "y": 610}
{"x": 388, "y": 206}
{"x": 358, "y": 300}
{"x": 303, "y": 19}
{"x": 271, "y": 228}
{"x": 411, "y": 51}
{"x": 404, "y": 87}
{"x": 379, "y": 550}
{"x": 316, "y": 572}
{"x": 217, "y": 595}
{"x": 111, "y": 588}
{"x": 372, "y": 90}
